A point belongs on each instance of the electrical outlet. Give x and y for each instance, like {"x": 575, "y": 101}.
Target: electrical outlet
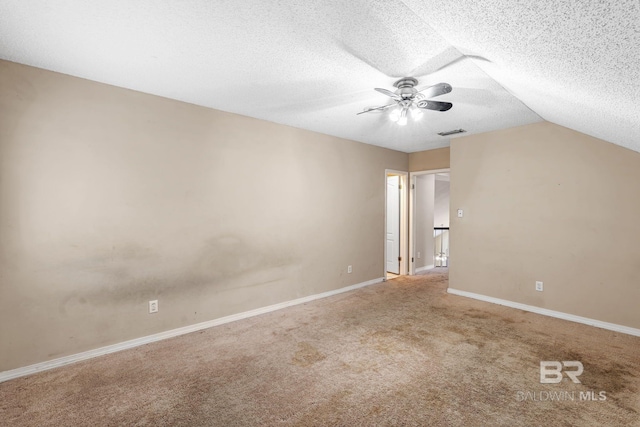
{"x": 460, "y": 213}
{"x": 153, "y": 306}
{"x": 418, "y": 255}
{"x": 539, "y": 286}
{"x": 349, "y": 269}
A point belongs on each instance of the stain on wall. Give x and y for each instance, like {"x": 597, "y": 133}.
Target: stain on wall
{"x": 111, "y": 198}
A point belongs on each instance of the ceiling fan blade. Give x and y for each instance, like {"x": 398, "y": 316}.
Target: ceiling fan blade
{"x": 383, "y": 107}
{"x": 389, "y": 93}
{"x": 435, "y": 105}
{"x": 435, "y": 90}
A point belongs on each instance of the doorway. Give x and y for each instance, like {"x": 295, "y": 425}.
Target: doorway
{"x": 396, "y": 224}
{"x": 429, "y": 214}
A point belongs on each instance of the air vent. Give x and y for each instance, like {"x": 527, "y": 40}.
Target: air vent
{"x": 451, "y": 132}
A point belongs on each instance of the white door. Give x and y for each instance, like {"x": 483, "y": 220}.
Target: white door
{"x": 393, "y": 224}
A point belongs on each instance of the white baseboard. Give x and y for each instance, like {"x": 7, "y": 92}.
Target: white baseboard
{"x": 426, "y": 267}
{"x": 552, "y": 313}
{"x": 67, "y": 360}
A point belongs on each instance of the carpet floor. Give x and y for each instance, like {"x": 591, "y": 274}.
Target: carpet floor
{"x": 400, "y": 353}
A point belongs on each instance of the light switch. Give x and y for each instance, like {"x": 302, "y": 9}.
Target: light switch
{"x": 460, "y": 213}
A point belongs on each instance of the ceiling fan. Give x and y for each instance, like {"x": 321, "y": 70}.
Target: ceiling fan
{"x": 409, "y": 99}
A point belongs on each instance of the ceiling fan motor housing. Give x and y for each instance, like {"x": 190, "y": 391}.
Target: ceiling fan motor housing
{"x": 406, "y": 87}
{"x": 406, "y": 82}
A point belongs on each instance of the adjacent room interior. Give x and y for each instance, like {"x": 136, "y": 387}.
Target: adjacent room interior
{"x": 319, "y": 215}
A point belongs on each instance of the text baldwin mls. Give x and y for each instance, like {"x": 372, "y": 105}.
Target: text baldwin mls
{"x": 560, "y": 396}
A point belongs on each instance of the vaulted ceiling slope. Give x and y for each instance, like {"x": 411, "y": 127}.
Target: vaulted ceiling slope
{"x": 313, "y": 64}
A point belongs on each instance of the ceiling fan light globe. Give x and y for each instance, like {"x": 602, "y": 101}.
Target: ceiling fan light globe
{"x": 416, "y": 114}
{"x": 402, "y": 121}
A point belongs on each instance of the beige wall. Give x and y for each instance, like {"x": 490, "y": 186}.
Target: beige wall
{"x": 542, "y": 202}
{"x": 111, "y": 198}
{"x": 438, "y": 158}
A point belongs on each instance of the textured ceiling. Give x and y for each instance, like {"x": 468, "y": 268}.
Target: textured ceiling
{"x": 314, "y": 64}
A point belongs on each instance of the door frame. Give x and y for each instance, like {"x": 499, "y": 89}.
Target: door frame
{"x": 412, "y": 213}
{"x": 404, "y": 221}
